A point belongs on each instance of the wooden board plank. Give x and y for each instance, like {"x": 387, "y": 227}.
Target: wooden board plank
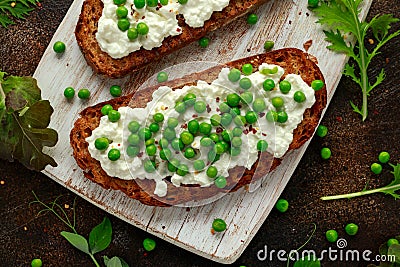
{"x": 287, "y": 23}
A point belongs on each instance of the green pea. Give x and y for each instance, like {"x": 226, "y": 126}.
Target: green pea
{"x": 212, "y": 172}
{"x": 186, "y": 137}
{"x": 236, "y": 141}
{"x": 149, "y": 244}
{"x": 173, "y": 165}
{"x": 149, "y": 166}
{"x": 189, "y": 99}
{"x": 59, "y": 47}
{"x": 134, "y": 139}
{"x": 151, "y": 150}
{"x": 114, "y": 154}
{"x": 234, "y": 75}
{"x": 233, "y": 100}
{"x": 182, "y": 170}
{"x": 246, "y": 98}
{"x": 259, "y": 105}
{"x": 384, "y": 157}
{"x": 239, "y": 120}
{"x": 189, "y": 153}
{"x": 376, "y": 168}
{"x": 193, "y": 126}
{"x": 252, "y": 19}
{"x": 392, "y": 241}
{"x": 152, "y": 3}
{"x": 115, "y": 90}
{"x": 204, "y": 42}
{"x": 225, "y": 145}
{"x": 224, "y": 107}
{"x": 69, "y": 93}
{"x": 282, "y": 205}
{"x": 245, "y": 83}
{"x": 262, "y": 145}
{"x": 154, "y": 127}
{"x": 351, "y": 229}
{"x": 158, "y": 117}
{"x": 282, "y": 116}
{"x": 325, "y": 153}
{"x": 84, "y": 93}
{"x": 119, "y": 2}
{"x": 219, "y": 225}
{"x": 247, "y": 69}
{"x": 123, "y": 24}
{"x": 180, "y": 107}
{"x": 251, "y": 117}
{"x": 132, "y": 151}
{"x": 36, "y": 263}
{"x": 237, "y": 131}
{"x": 101, "y": 143}
{"x": 114, "y": 115}
{"x": 214, "y": 137}
{"x": 182, "y": 2}
{"x": 226, "y": 119}
{"x": 220, "y": 182}
{"x": 132, "y": 34}
{"x": 268, "y": 45}
{"x": 151, "y": 141}
{"x": 165, "y": 154}
{"x": 106, "y": 108}
{"x": 317, "y": 85}
{"x": 163, "y": 143}
{"x": 272, "y": 116}
{"x": 121, "y": 12}
{"x": 162, "y": 76}
{"x": 215, "y": 120}
{"x": 142, "y": 28}
{"x": 169, "y": 134}
{"x": 199, "y": 165}
{"x": 213, "y": 156}
{"x": 226, "y": 135}
{"x": 206, "y": 141}
{"x": 235, "y": 151}
{"x": 277, "y": 102}
{"x": 164, "y": 2}
{"x": 200, "y": 106}
{"x": 144, "y": 134}
{"x": 177, "y": 144}
{"x": 133, "y": 126}
{"x": 235, "y": 111}
{"x": 331, "y": 236}
{"x": 139, "y": 3}
{"x": 205, "y": 128}
{"x": 285, "y": 86}
{"x": 322, "y": 131}
{"x": 299, "y": 97}
{"x": 172, "y": 122}
{"x": 268, "y": 85}
{"x": 219, "y": 148}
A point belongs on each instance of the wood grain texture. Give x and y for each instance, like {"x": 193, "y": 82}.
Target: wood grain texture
{"x": 287, "y": 23}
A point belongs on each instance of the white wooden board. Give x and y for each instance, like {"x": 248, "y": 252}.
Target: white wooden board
{"x": 288, "y": 23}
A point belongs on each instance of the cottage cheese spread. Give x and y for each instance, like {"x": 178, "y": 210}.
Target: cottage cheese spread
{"x": 161, "y": 21}
{"x": 278, "y": 135}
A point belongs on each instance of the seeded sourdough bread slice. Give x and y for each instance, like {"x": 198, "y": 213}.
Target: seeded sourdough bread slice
{"x": 102, "y": 63}
{"x": 292, "y": 60}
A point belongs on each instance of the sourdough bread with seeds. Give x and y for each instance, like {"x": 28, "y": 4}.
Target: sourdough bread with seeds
{"x": 290, "y": 59}
{"x": 102, "y": 63}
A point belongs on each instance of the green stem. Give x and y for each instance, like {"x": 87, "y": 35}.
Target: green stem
{"x": 94, "y": 260}
{"x": 363, "y": 193}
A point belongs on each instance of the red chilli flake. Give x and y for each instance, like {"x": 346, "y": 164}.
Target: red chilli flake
{"x": 261, "y": 114}
{"x": 217, "y": 99}
{"x": 339, "y": 119}
{"x": 254, "y": 131}
{"x": 184, "y": 126}
{"x": 264, "y": 134}
{"x": 140, "y": 154}
{"x": 208, "y": 108}
{"x": 195, "y": 116}
{"x": 219, "y": 130}
{"x": 245, "y": 131}
{"x": 178, "y": 29}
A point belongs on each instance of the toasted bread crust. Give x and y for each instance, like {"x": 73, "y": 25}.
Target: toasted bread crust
{"x": 292, "y": 60}
{"x": 102, "y": 63}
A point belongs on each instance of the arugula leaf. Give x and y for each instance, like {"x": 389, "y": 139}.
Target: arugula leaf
{"x": 100, "y": 236}
{"x": 24, "y": 120}
{"x": 18, "y": 9}
{"x": 77, "y": 241}
{"x": 389, "y": 189}
{"x": 342, "y": 17}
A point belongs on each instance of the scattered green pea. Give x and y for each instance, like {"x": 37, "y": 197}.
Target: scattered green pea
{"x": 268, "y": 85}
{"x": 219, "y": 225}
{"x": 189, "y": 99}
{"x": 134, "y": 139}
{"x": 142, "y": 28}
{"x": 115, "y": 90}
{"x": 132, "y": 151}
{"x": 138, "y": 3}
{"x": 114, "y": 154}
{"x": 200, "y": 106}
{"x": 162, "y": 76}
{"x": 69, "y": 93}
{"x": 189, "y": 153}
{"x": 84, "y": 93}
{"x": 259, "y": 105}
{"x": 132, "y": 34}
{"x": 299, "y": 97}
{"x": 282, "y": 205}
{"x": 123, "y": 24}
{"x": 245, "y": 83}
{"x": 36, "y": 263}
{"x": 285, "y": 86}
{"x": 119, "y": 2}
{"x": 106, "y": 108}
{"x": 114, "y": 115}
{"x": 247, "y": 69}
{"x": 277, "y": 102}
{"x": 182, "y": 170}
{"x": 204, "y": 42}
{"x": 246, "y": 98}
{"x": 101, "y": 143}
{"x": 234, "y": 75}
{"x": 384, "y": 157}
{"x": 220, "y": 182}
{"x": 392, "y": 241}
{"x": 326, "y": 153}
{"x": 317, "y": 85}
{"x": 376, "y": 168}
{"x": 186, "y": 137}
{"x": 262, "y": 145}
{"x": 268, "y": 45}
{"x": 282, "y": 116}
{"x": 226, "y": 119}
{"x": 322, "y": 130}
{"x": 233, "y": 99}
{"x": 149, "y": 166}
{"x": 121, "y": 12}
{"x": 193, "y": 126}
{"x": 215, "y": 119}
{"x": 165, "y": 153}
{"x": 351, "y": 229}
{"x": 252, "y": 19}
{"x": 331, "y": 236}
{"x": 251, "y": 117}
{"x": 59, "y": 47}
{"x": 149, "y": 244}
{"x": 152, "y": 3}
{"x": 172, "y": 122}
{"x": 199, "y": 165}
{"x": 205, "y": 128}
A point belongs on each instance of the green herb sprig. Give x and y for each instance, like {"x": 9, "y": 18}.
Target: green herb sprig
{"x": 99, "y": 237}
{"x": 17, "y": 9}
{"x": 389, "y": 189}
{"x": 342, "y": 17}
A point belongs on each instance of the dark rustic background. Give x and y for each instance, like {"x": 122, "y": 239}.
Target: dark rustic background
{"x": 355, "y": 145}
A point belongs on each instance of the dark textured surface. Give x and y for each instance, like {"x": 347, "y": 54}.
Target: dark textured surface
{"x": 355, "y": 145}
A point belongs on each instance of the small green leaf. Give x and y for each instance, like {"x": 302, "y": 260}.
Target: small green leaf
{"x": 337, "y": 43}
{"x": 25, "y": 89}
{"x": 17, "y": 9}
{"x": 380, "y": 25}
{"x": 379, "y": 80}
{"x": 100, "y": 236}
{"x": 355, "y": 108}
{"x": 349, "y": 71}
{"x": 307, "y": 262}
{"x": 113, "y": 262}
{"x": 77, "y": 241}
